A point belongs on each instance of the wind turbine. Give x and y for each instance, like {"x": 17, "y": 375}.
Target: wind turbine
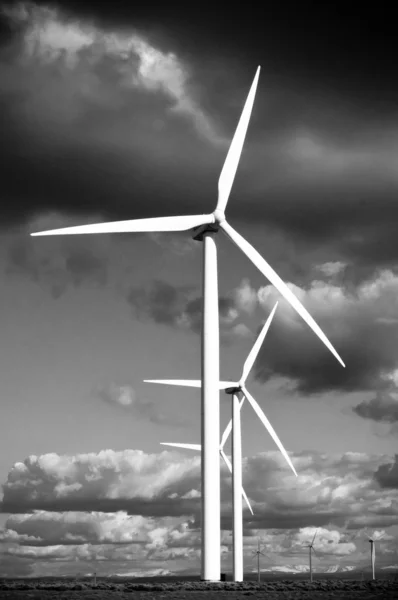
{"x": 311, "y": 549}
{"x": 235, "y": 388}
{"x": 258, "y": 553}
{"x": 205, "y": 227}
{"x": 373, "y": 557}
{"x": 373, "y": 552}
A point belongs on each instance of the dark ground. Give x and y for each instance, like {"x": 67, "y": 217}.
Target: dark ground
{"x": 273, "y": 587}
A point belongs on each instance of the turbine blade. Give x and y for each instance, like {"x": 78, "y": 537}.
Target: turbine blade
{"x": 366, "y": 532}
{"x": 313, "y": 539}
{"x": 190, "y": 383}
{"x": 226, "y": 460}
{"x": 247, "y": 501}
{"x": 225, "y": 435}
{"x": 231, "y": 162}
{"x": 135, "y": 225}
{"x": 187, "y": 446}
{"x": 269, "y": 428}
{"x": 280, "y": 285}
{"x": 183, "y": 382}
{"x": 228, "y": 463}
{"x": 256, "y": 348}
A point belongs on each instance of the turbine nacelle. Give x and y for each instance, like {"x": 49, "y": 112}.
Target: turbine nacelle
{"x": 235, "y": 389}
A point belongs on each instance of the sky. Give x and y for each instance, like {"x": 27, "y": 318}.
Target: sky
{"x": 119, "y": 112}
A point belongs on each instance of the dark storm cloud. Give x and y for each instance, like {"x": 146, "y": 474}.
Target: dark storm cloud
{"x": 100, "y": 117}
{"x": 177, "y": 306}
{"x": 361, "y": 323}
{"x": 383, "y": 408}
{"x": 94, "y": 119}
{"x": 387, "y": 475}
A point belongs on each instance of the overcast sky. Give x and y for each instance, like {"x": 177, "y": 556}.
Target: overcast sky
{"x": 118, "y": 112}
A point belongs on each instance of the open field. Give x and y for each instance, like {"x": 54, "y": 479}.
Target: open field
{"x": 194, "y": 590}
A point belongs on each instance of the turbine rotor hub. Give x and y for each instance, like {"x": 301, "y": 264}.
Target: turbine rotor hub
{"x": 219, "y": 215}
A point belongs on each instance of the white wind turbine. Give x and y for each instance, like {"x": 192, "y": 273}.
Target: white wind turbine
{"x": 234, "y": 388}
{"x": 206, "y": 226}
{"x": 371, "y": 540}
{"x": 258, "y": 553}
{"x": 373, "y": 557}
{"x": 312, "y": 549}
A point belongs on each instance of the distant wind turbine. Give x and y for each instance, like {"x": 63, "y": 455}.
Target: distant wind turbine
{"x": 206, "y": 226}
{"x": 371, "y": 540}
{"x": 258, "y": 553}
{"x": 312, "y": 549}
{"x": 234, "y": 388}
{"x": 373, "y": 557}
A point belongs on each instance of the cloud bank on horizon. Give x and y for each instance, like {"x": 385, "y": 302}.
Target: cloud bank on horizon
{"x": 118, "y": 507}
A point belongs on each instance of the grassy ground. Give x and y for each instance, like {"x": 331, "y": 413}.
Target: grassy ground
{"x": 276, "y": 590}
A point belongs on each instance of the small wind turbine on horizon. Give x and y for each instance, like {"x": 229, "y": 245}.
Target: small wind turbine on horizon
{"x": 235, "y": 388}
{"x": 311, "y": 549}
{"x": 373, "y": 557}
{"x": 371, "y": 540}
{"x": 205, "y": 227}
{"x": 258, "y": 553}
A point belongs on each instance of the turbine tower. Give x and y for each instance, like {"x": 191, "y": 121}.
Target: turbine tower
{"x": 206, "y": 226}
{"x": 235, "y": 388}
{"x": 238, "y": 493}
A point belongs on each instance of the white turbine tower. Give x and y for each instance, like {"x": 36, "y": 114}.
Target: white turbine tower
{"x": 206, "y": 226}
{"x": 238, "y": 492}
{"x": 234, "y": 388}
